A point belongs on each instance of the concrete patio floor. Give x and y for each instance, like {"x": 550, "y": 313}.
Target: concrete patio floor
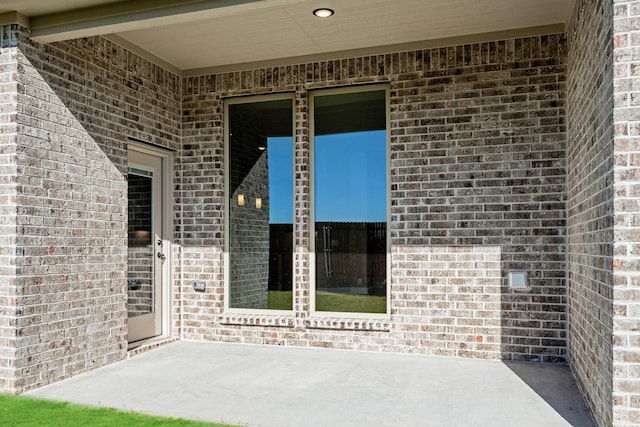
{"x": 272, "y": 386}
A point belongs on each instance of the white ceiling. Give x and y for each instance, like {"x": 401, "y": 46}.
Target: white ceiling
{"x": 197, "y": 34}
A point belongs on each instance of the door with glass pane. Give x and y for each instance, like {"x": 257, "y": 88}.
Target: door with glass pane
{"x": 145, "y": 246}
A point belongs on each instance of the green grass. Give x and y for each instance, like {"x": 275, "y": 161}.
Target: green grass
{"x": 327, "y": 301}
{"x": 25, "y": 411}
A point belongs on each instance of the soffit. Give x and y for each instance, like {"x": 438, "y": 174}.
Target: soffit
{"x": 44, "y": 7}
{"x": 198, "y": 34}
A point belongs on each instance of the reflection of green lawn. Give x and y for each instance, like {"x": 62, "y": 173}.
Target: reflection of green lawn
{"x": 328, "y": 301}
{"x": 280, "y": 300}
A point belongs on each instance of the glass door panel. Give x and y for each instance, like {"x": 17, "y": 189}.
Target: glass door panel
{"x": 141, "y": 246}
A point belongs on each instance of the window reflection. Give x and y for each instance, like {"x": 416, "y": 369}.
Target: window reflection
{"x": 349, "y": 164}
{"x": 260, "y": 204}
{"x": 350, "y": 201}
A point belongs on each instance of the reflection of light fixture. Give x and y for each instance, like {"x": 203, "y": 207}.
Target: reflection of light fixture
{"x": 258, "y": 203}
{"x": 323, "y": 12}
{"x": 240, "y": 199}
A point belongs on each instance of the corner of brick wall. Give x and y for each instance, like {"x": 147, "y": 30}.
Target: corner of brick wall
{"x": 590, "y": 155}
{"x": 626, "y": 260}
{"x": 8, "y": 208}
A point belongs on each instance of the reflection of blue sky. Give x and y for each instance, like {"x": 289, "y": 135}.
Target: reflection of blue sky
{"x": 350, "y": 178}
{"x": 280, "y": 155}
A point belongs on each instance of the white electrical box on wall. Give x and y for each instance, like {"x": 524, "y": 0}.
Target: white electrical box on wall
{"x": 518, "y": 281}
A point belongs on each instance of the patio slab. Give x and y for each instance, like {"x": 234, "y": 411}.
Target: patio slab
{"x": 271, "y": 386}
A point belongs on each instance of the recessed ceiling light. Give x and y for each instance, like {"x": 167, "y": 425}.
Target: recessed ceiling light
{"x": 323, "y": 12}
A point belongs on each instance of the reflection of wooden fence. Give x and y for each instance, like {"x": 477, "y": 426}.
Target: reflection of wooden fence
{"x": 350, "y": 257}
{"x": 280, "y": 257}
{"x": 377, "y": 258}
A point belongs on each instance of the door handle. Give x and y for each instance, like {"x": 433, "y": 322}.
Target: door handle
{"x": 161, "y": 256}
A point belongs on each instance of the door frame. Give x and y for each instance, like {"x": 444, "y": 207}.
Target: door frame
{"x": 166, "y": 183}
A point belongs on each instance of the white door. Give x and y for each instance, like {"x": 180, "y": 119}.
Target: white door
{"x": 146, "y": 246}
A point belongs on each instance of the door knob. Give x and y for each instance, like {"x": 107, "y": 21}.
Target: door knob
{"x": 161, "y": 256}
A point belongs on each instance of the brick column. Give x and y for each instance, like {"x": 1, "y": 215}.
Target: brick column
{"x": 8, "y": 208}
{"x": 626, "y": 263}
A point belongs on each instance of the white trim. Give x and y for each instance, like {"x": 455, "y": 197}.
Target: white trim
{"x": 257, "y": 312}
{"x": 154, "y": 150}
{"x": 167, "y": 194}
{"x": 225, "y": 208}
{"x": 389, "y": 276}
{"x": 312, "y": 217}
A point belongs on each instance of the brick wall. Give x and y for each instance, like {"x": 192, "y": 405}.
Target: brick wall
{"x": 626, "y": 274}
{"x": 590, "y": 198}
{"x": 477, "y": 164}
{"x": 200, "y": 186}
{"x": 77, "y": 104}
{"x": 478, "y": 173}
{"x": 8, "y": 229}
